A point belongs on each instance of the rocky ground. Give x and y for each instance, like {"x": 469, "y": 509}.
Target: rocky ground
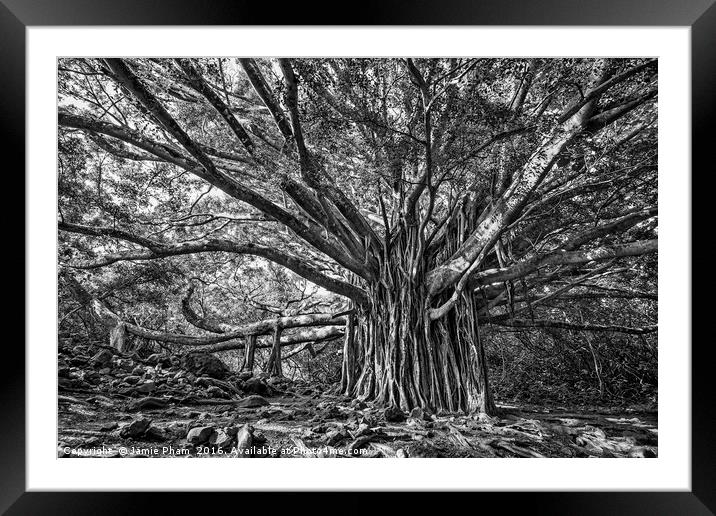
{"x": 119, "y": 405}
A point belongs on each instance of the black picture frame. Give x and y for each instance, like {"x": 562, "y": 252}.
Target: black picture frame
{"x": 699, "y": 15}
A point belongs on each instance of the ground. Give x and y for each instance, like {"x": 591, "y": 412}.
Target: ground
{"x": 119, "y": 406}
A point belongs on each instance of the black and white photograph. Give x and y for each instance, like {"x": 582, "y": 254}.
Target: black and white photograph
{"x": 353, "y": 257}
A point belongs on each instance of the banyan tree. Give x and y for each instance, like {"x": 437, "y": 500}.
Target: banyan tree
{"x": 434, "y": 197}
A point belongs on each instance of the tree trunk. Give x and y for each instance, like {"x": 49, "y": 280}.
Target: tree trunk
{"x": 249, "y": 353}
{"x": 409, "y": 361}
{"x": 118, "y": 337}
{"x": 349, "y": 370}
{"x": 274, "y": 364}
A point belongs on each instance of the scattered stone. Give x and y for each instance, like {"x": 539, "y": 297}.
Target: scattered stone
{"x": 199, "y": 434}
{"x": 244, "y": 440}
{"x": 155, "y": 433}
{"x": 220, "y": 439}
{"x": 253, "y": 401}
{"x": 135, "y": 428}
{"x": 216, "y": 392}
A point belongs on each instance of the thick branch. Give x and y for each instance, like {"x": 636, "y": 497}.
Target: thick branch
{"x": 562, "y": 258}
{"x": 156, "y": 250}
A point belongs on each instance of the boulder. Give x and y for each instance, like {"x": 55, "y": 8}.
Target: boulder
{"x": 199, "y": 434}
{"x": 205, "y": 364}
{"x": 256, "y": 386}
{"x": 155, "y": 433}
{"x": 135, "y": 428}
{"x": 220, "y": 439}
{"x": 216, "y": 392}
{"x": 244, "y": 440}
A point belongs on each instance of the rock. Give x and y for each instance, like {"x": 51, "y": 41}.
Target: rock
{"x": 135, "y": 428}
{"x": 138, "y": 371}
{"x": 102, "y": 358}
{"x": 146, "y": 387}
{"x": 216, "y": 392}
{"x": 108, "y": 427}
{"x": 205, "y": 364}
{"x": 155, "y": 433}
{"x": 132, "y": 380}
{"x": 175, "y": 429}
{"x": 401, "y": 454}
{"x": 253, "y": 401}
{"x": 393, "y": 414}
{"x": 220, "y": 439}
{"x": 199, "y": 434}
{"x": 148, "y": 403}
{"x": 256, "y": 386}
{"x": 244, "y": 440}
